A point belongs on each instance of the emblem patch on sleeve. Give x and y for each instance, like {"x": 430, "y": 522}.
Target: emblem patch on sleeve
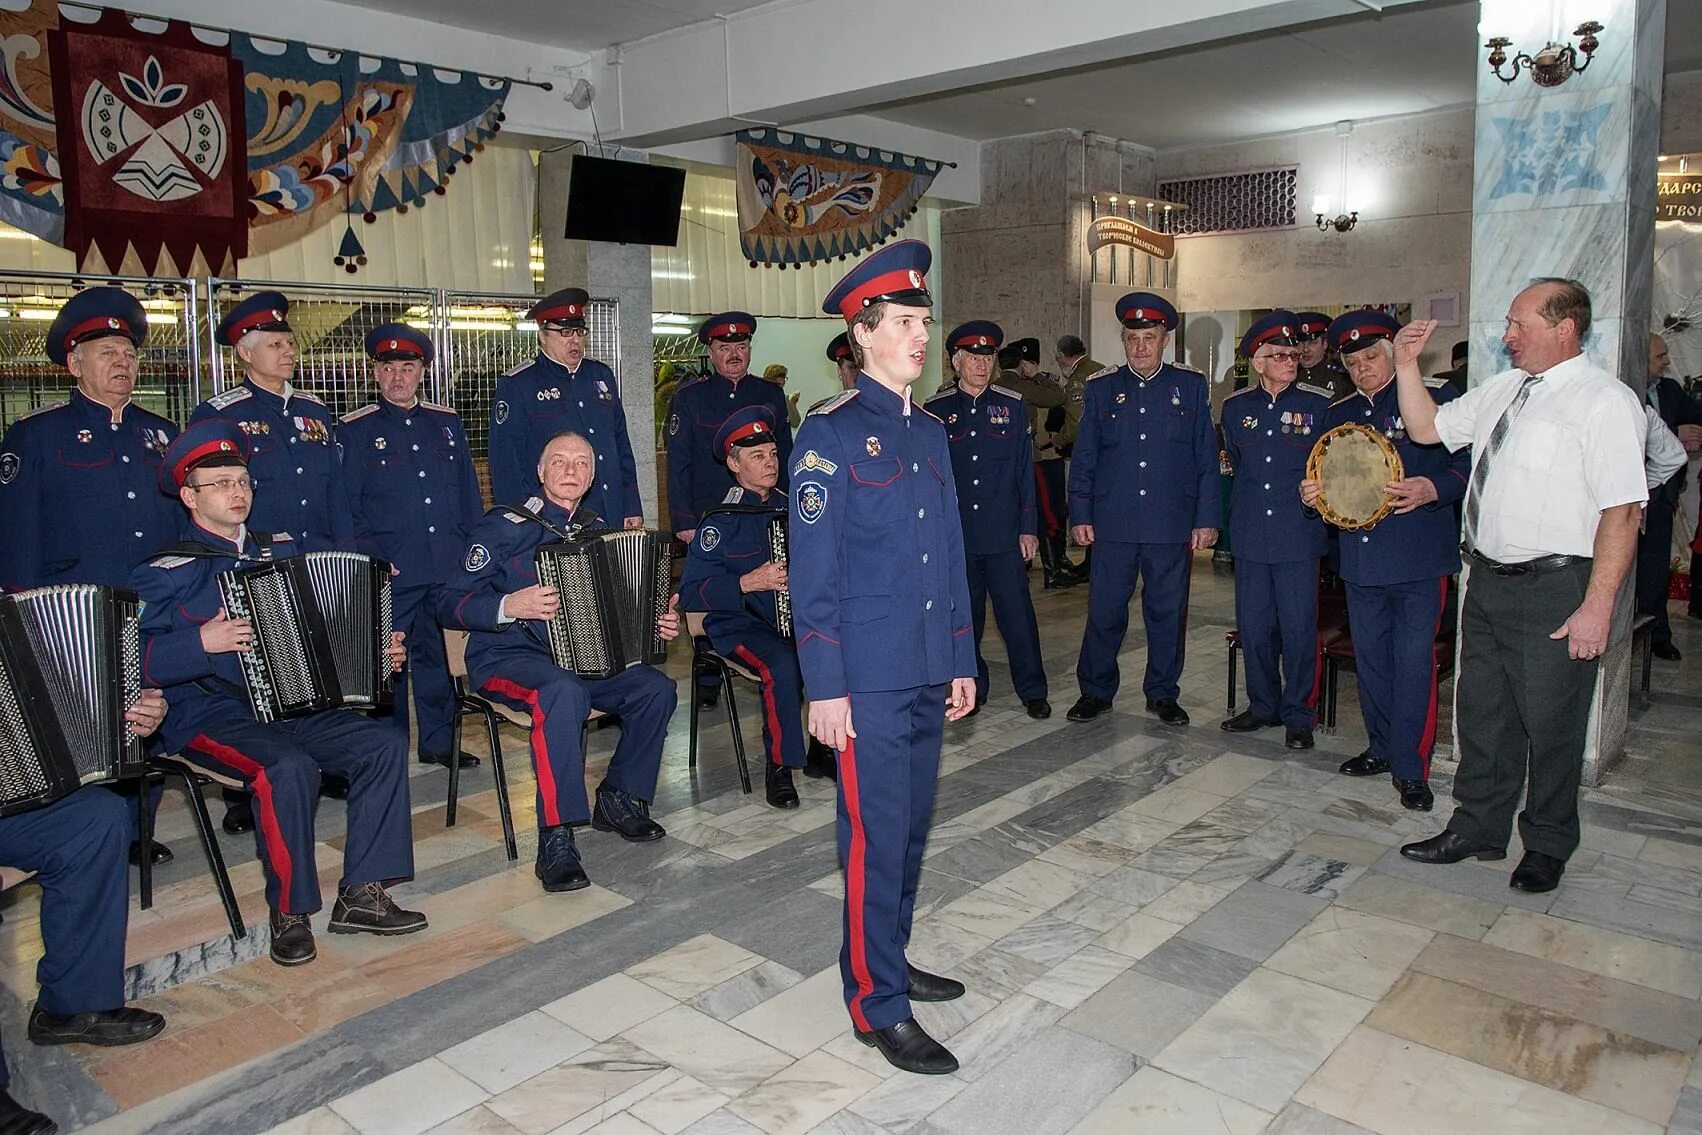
{"x": 812, "y": 501}
{"x": 9, "y": 466}
{"x": 477, "y": 557}
{"x": 673, "y": 424}
{"x": 813, "y": 460}
{"x": 710, "y": 536}
{"x": 501, "y": 412}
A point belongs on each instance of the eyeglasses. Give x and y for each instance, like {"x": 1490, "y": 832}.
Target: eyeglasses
{"x": 228, "y": 484}
{"x": 567, "y": 332}
{"x": 1282, "y": 356}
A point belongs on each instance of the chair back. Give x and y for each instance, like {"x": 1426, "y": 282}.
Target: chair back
{"x": 694, "y": 623}
{"x": 455, "y": 652}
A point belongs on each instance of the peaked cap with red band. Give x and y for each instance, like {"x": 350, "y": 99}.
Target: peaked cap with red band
{"x": 751, "y": 426}
{"x": 896, "y": 273}
{"x": 95, "y": 313}
{"x": 391, "y": 342}
{"x": 564, "y": 308}
{"x": 978, "y": 337}
{"x": 1145, "y": 309}
{"x": 1277, "y": 327}
{"x": 1310, "y": 325}
{"x": 1356, "y": 330}
{"x": 199, "y": 444}
{"x": 262, "y": 311}
{"x": 728, "y": 327}
{"x": 839, "y": 347}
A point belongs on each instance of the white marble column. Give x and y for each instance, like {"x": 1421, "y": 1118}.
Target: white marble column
{"x": 1565, "y": 186}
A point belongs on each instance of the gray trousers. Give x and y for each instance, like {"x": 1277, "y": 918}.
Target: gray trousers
{"x": 1522, "y": 708}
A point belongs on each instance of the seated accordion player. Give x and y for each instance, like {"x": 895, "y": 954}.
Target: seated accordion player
{"x": 613, "y": 586}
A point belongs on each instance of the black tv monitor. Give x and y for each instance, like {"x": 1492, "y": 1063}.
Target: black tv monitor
{"x": 624, "y": 202}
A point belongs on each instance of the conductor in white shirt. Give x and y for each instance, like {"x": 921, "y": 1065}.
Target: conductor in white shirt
{"x": 1549, "y": 531}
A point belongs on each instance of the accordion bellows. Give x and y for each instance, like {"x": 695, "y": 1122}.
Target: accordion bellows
{"x": 614, "y": 588}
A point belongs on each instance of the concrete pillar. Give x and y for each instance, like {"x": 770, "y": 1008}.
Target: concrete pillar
{"x": 1565, "y": 186}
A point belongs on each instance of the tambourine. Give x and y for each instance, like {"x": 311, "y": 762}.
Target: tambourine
{"x": 1353, "y": 465}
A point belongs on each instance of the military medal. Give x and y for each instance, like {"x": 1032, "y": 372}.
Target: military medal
{"x": 873, "y": 445}
{"x": 379, "y": 443}
{"x": 1249, "y": 423}
{"x": 1121, "y": 398}
{"x": 85, "y": 436}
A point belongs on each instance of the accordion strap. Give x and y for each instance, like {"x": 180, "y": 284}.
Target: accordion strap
{"x": 197, "y": 550}
{"x": 521, "y": 512}
{"x": 743, "y": 510}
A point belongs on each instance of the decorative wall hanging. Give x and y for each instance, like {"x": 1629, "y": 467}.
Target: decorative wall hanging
{"x": 803, "y": 200}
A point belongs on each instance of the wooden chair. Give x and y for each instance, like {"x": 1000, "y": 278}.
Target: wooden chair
{"x": 194, "y": 778}
{"x": 1332, "y": 628}
{"x": 704, "y": 660}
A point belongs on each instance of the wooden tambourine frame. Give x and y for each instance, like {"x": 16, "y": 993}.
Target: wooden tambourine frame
{"x": 1353, "y": 464}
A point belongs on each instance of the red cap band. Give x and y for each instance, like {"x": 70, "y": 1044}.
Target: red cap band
{"x": 106, "y": 324}
{"x": 180, "y": 471}
{"x": 732, "y": 327}
{"x": 564, "y": 311}
{"x": 255, "y": 319}
{"x": 975, "y": 340}
{"x": 751, "y": 429}
{"x": 401, "y": 347}
{"x": 1269, "y": 334}
{"x": 903, "y": 280}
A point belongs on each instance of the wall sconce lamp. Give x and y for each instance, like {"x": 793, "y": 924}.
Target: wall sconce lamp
{"x": 1344, "y": 221}
{"x": 1551, "y": 66}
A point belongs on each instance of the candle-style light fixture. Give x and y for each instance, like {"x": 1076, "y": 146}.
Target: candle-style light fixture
{"x": 1553, "y": 64}
{"x": 1344, "y": 221}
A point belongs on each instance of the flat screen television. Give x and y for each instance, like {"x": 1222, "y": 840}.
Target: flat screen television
{"x": 624, "y": 202}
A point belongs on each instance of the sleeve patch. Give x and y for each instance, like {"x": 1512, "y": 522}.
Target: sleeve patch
{"x": 501, "y": 412}
{"x": 812, "y": 461}
{"x": 812, "y": 501}
{"x": 9, "y": 466}
{"x": 709, "y": 537}
{"x": 477, "y": 557}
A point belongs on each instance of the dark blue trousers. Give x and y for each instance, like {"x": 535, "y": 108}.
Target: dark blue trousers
{"x": 1276, "y": 611}
{"x": 525, "y": 677}
{"x": 886, "y": 803}
{"x": 1050, "y": 500}
{"x": 1654, "y": 566}
{"x": 1394, "y": 652}
{"x": 761, "y": 650}
{"x": 427, "y": 673}
{"x": 281, "y": 762}
{"x": 1164, "y": 609}
{"x": 1003, "y": 577}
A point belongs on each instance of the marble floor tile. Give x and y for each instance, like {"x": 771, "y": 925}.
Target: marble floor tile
{"x": 1264, "y": 1038}
{"x": 1328, "y": 845}
{"x": 694, "y": 966}
{"x": 609, "y": 1007}
{"x": 1184, "y": 902}
{"x": 480, "y": 1120}
{"x": 938, "y": 945}
{"x": 984, "y": 914}
{"x": 1047, "y": 940}
{"x": 1419, "y": 905}
{"x": 319, "y": 1121}
{"x": 945, "y": 1019}
{"x": 588, "y": 1088}
{"x": 1228, "y": 775}
{"x": 798, "y": 1097}
{"x": 548, "y": 916}
{"x": 1153, "y": 1102}
{"x": 745, "y": 991}
{"x": 1665, "y": 852}
{"x": 1661, "y": 923}
{"x": 1176, "y": 804}
{"x": 1313, "y": 875}
{"x": 1243, "y": 813}
{"x": 1254, "y": 920}
{"x": 1193, "y": 965}
{"x": 1133, "y": 886}
{"x": 898, "y": 1104}
{"x": 1356, "y": 953}
{"x": 1091, "y": 910}
{"x": 1087, "y": 856}
{"x": 1138, "y": 935}
{"x": 1188, "y": 849}
{"x": 1229, "y": 871}
{"x": 1037, "y": 884}
{"x": 1133, "y": 830}
{"x": 427, "y": 963}
{"x": 1687, "y": 1116}
{"x": 677, "y": 1105}
{"x": 1079, "y": 976}
{"x": 997, "y": 974}
{"x": 1486, "y": 881}
{"x": 1607, "y": 952}
{"x": 1647, "y": 872}
{"x": 800, "y": 1019}
{"x": 622, "y": 1123}
{"x": 700, "y": 1046}
{"x": 1008, "y": 1029}
{"x": 1395, "y": 1087}
{"x": 502, "y": 1057}
{"x": 1048, "y": 1087}
{"x": 411, "y": 1101}
{"x": 1298, "y": 1119}
{"x": 1138, "y": 1014}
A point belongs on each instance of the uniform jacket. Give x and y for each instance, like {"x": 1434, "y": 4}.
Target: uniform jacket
{"x": 1329, "y": 374}
{"x": 540, "y": 399}
{"x": 1054, "y": 441}
{"x": 413, "y": 494}
{"x": 1676, "y": 408}
{"x": 1145, "y": 469}
{"x": 80, "y": 498}
{"x": 731, "y": 542}
{"x": 696, "y": 480}
{"x": 880, "y": 594}
{"x": 1268, "y": 441}
{"x": 992, "y": 466}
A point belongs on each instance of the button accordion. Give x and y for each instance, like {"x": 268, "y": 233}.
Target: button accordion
{"x": 322, "y": 622}
{"x": 777, "y": 555}
{"x": 70, "y": 667}
{"x": 614, "y": 588}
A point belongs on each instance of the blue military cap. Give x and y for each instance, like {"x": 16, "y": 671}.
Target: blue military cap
{"x": 896, "y": 273}
{"x": 262, "y": 311}
{"x": 1310, "y": 325}
{"x": 1357, "y": 330}
{"x": 839, "y": 347}
{"x": 564, "y": 308}
{"x": 1144, "y": 309}
{"x": 95, "y": 313}
{"x": 209, "y": 441}
{"x": 978, "y": 337}
{"x": 753, "y": 425}
{"x": 392, "y": 341}
{"x": 728, "y": 327}
{"x": 1277, "y": 327}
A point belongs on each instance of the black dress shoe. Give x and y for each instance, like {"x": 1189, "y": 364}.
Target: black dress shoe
{"x": 708, "y": 696}
{"x": 292, "y": 939}
{"x": 16, "y": 1119}
{"x": 778, "y": 787}
{"x": 624, "y": 814}
{"x": 1667, "y": 651}
{"x": 239, "y": 818}
{"x": 369, "y": 909}
{"x": 468, "y": 760}
{"x": 820, "y": 762}
{"x": 1167, "y": 711}
{"x": 925, "y": 986}
{"x": 1247, "y": 722}
{"x": 1415, "y": 795}
{"x": 1537, "y": 873}
{"x": 909, "y": 1049}
{"x": 1038, "y": 708}
{"x": 158, "y": 854}
{"x": 1365, "y": 764}
{"x": 1087, "y": 708}
{"x": 109, "y": 1028}
{"x": 1295, "y": 737}
{"x": 558, "y": 866}
{"x": 1450, "y": 847}
{"x": 333, "y": 787}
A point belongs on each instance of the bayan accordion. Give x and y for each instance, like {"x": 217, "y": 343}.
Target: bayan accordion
{"x": 614, "y": 588}
{"x": 777, "y": 555}
{"x": 322, "y": 622}
{"x": 70, "y": 667}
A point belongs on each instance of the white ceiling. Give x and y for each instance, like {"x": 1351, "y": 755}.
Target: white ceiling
{"x": 582, "y": 25}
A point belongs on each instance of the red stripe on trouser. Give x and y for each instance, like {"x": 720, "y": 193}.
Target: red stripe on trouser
{"x": 1043, "y": 492}
{"x": 261, "y": 786}
{"x": 540, "y": 747}
{"x": 854, "y": 886}
{"x": 770, "y": 715}
{"x": 1318, "y": 661}
{"x": 1427, "y": 739}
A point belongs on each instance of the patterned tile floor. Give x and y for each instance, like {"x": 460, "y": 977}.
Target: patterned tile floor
{"x": 1162, "y": 930}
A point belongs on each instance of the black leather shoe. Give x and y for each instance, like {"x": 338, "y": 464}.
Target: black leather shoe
{"x": 820, "y": 762}
{"x": 333, "y": 787}
{"x": 468, "y": 760}
{"x": 558, "y": 866}
{"x": 778, "y": 786}
{"x": 624, "y": 814}
{"x": 1167, "y": 710}
{"x": 708, "y": 696}
{"x": 109, "y": 1028}
{"x": 1247, "y": 722}
{"x": 1537, "y": 873}
{"x": 925, "y": 986}
{"x": 1297, "y": 738}
{"x": 158, "y": 854}
{"x": 239, "y": 818}
{"x": 1415, "y": 795}
{"x": 1667, "y": 651}
{"x": 369, "y": 909}
{"x": 1038, "y": 708}
{"x": 16, "y": 1119}
{"x": 1365, "y": 764}
{"x": 1449, "y": 847}
{"x": 292, "y": 939}
{"x": 909, "y": 1049}
{"x": 1087, "y": 708}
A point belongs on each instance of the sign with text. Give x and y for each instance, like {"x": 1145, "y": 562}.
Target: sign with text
{"x": 1678, "y": 197}
{"x": 1123, "y": 231}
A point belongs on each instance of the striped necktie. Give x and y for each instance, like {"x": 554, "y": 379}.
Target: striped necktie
{"x": 1480, "y": 467}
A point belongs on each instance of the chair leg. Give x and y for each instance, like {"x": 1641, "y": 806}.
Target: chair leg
{"x": 1332, "y": 691}
{"x": 738, "y": 735}
{"x": 1234, "y": 648}
{"x": 145, "y": 837}
{"x": 454, "y": 762}
{"x": 215, "y": 857}
{"x": 503, "y": 808}
{"x": 691, "y": 696}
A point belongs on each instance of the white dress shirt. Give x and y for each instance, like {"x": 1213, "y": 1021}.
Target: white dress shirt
{"x": 1663, "y": 453}
{"x": 1574, "y": 450}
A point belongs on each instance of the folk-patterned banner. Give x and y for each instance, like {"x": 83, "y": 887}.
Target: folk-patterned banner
{"x": 155, "y": 147}
{"x": 804, "y": 200}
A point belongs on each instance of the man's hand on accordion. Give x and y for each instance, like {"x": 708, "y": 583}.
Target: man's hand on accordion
{"x": 534, "y": 602}
{"x": 397, "y": 653}
{"x": 668, "y": 622}
{"x": 769, "y": 577}
{"x": 147, "y": 713}
{"x": 222, "y": 634}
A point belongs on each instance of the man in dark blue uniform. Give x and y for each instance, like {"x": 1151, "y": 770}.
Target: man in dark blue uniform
{"x": 992, "y": 459}
{"x": 844, "y": 362}
{"x": 697, "y": 479}
{"x": 1269, "y": 429}
{"x": 1317, "y": 367}
{"x": 497, "y": 596}
{"x": 561, "y": 390}
{"x": 1397, "y": 570}
{"x": 1654, "y": 548}
{"x": 1143, "y": 496}
{"x": 190, "y": 646}
{"x": 880, "y": 610}
{"x": 413, "y": 497}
